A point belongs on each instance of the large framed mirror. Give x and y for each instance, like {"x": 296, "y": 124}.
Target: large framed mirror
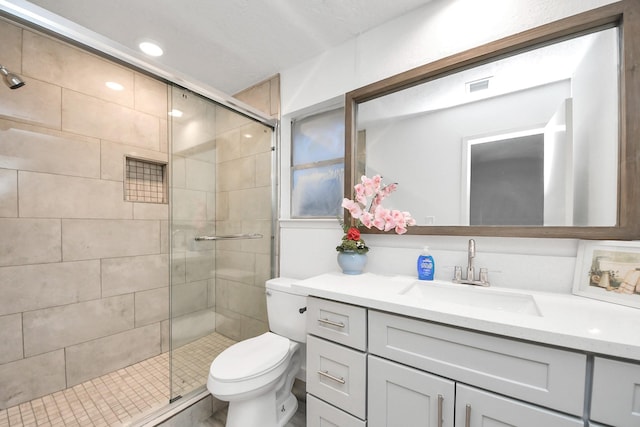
{"x": 534, "y": 135}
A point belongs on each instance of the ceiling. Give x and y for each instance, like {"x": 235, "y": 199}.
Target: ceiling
{"x": 231, "y": 44}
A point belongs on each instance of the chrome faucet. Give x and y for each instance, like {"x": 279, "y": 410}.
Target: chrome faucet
{"x": 471, "y": 254}
{"x": 483, "y": 280}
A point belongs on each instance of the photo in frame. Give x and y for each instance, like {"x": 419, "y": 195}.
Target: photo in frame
{"x": 608, "y": 271}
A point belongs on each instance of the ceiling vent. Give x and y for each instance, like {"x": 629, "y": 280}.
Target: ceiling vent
{"x": 478, "y": 85}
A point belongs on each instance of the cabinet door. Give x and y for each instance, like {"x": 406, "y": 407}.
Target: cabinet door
{"x": 477, "y": 408}
{"x": 403, "y": 396}
{"x": 616, "y": 393}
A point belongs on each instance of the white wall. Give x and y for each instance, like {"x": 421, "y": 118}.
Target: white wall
{"x": 439, "y": 29}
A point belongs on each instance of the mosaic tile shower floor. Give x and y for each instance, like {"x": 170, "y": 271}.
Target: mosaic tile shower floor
{"x": 117, "y": 398}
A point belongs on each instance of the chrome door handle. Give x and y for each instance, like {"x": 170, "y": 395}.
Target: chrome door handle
{"x": 331, "y": 377}
{"x": 332, "y": 323}
{"x": 467, "y": 416}
{"x": 440, "y": 401}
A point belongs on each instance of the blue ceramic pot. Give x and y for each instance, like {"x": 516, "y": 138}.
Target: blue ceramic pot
{"x": 351, "y": 262}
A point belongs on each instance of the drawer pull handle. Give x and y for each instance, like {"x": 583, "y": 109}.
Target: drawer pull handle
{"x": 332, "y": 323}
{"x": 331, "y": 377}
{"x": 440, "y": 401}
{"x": 467, "y": 416}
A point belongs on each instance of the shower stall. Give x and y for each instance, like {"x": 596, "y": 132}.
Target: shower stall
{"x": 221, "y": 228}
{"x": 137, "y": 233}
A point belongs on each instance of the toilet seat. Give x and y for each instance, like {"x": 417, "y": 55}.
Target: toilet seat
{"x": 250, "y": 358}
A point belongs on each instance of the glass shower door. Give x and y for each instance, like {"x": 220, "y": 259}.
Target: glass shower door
{"x": 221, "y": 223}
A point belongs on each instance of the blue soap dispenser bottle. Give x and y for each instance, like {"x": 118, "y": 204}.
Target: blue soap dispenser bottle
{"x": 426, "y": 265}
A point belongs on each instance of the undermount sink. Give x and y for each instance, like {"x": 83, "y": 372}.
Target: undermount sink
{"x": 465, "y": 295}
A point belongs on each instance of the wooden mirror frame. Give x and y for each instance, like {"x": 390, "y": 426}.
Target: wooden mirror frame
{"x": 626, "y": 15}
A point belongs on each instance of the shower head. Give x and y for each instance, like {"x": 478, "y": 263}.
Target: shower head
{"x": 10, "y": 79}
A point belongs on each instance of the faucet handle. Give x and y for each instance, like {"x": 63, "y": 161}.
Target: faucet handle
{"x": 457, "y": 273}
{"x": 484, "y": 275}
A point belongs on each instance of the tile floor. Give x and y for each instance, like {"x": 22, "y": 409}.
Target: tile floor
{"x": 117, "y": 398}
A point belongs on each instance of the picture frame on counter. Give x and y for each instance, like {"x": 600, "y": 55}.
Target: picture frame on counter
{"x": 608, "y": 271}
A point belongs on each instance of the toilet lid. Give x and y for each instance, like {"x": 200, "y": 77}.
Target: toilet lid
{"x": 250, "y": 357}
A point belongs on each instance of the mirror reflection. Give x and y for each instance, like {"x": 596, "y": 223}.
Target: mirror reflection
{"x": 527, "y": 140}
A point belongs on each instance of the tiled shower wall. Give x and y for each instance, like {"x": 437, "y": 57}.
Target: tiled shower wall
{"x": 83, "y": 273}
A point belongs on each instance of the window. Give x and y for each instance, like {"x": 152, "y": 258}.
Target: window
{"x": 317, "y": 174}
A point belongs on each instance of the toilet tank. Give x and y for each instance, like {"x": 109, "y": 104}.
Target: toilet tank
{"x": 286, "y": 309}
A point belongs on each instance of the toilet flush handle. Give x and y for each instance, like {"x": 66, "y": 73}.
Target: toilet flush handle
{"x": 302, "y": 310}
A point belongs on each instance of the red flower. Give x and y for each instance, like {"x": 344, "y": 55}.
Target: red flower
{"x": 353, "y": 234}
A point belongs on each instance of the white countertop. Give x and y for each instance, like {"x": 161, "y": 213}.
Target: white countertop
{"x": 563, "y": 320}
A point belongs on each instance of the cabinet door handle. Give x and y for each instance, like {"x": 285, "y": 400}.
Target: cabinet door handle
{"x": 332, "y": 323}
{"x": 440, "y": 401}
{"x": 331, "y": 377}
{"x": 467, "y": 416}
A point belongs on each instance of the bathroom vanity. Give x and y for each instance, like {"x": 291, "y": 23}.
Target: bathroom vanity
{"x": 394, "y": 351}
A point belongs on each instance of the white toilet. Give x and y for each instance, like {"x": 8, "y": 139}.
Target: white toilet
{"x": 256, "y": 375}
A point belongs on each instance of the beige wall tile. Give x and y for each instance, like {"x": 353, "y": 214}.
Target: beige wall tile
{"x": 258, "y": 96}
{"x": 132, "y": 274}
{"x": 58, "y": 327}
{"x": 29, "y": 241}
{"x": 247, "y": 300}
{"x": 151, "y": 96}
{"x": 164, "y": 236}
{"x": 263, "y": 169}
{"x": 36, "y": 102}
{"x": 228, "y": 146}
{"x": 199, "y": 265}
{"x": 250, "y": 204}
{"x": 8, "y": 193}
{"x": 150, "y": 211}
{"x": 211, "y": 293}
{"x": 200, "y": 175}
{"x": 188, "y": 297}
{"x": 236, "y": 174}
{"x": 151, "y": 306}
{"x": 189, "y": 205}
{"x": 255, "y": 138}
{"x": 227, "y": 120}
{"x": 37, "y": 149}
{"x": 188, "y": 328}
{"x": 33, "y": 287}
{"x": 27, "y": 379}
{"x": 107, "y": 355}
{"x": 235, "y": 266}
{"x": 164, "y": 135}
{"x": 11, "y": 46}
{"x": 69, "y": 67}
{"x": 164, "y": 330}
{"x": 92, "y": 239}
{"x": 10, "y": 338}
{"x": 90, "y": 116}
{"x": 58, "y": 196}
{"x": 113, "y": 154}
{"x": 252, "y": 327}
{"x": 178, "y": 268}
{"x": 228, "y": 324}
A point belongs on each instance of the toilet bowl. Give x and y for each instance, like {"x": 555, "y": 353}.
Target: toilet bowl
{"x": 256, "y": 375}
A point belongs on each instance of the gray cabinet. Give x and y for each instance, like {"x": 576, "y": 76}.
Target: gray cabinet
{"x": 402, "y": 396}
{"x": 336, "y": 364}
{"x": 616, "y": 393}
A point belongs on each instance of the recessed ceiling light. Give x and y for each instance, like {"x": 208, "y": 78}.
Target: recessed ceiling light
{"x": 248, "y": 135}
{"x": 151, "y": 49}
{"x": 114, "y": 86}
{"x": 175, "y": 113}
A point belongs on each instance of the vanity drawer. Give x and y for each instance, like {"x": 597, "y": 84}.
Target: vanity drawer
{"x": 321, "y": 414}
{"x": 343, "y": 323}
{"x": 337, "y": 374}
{"x": 616, "y": 393}
{"x": 547, "y": 376}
